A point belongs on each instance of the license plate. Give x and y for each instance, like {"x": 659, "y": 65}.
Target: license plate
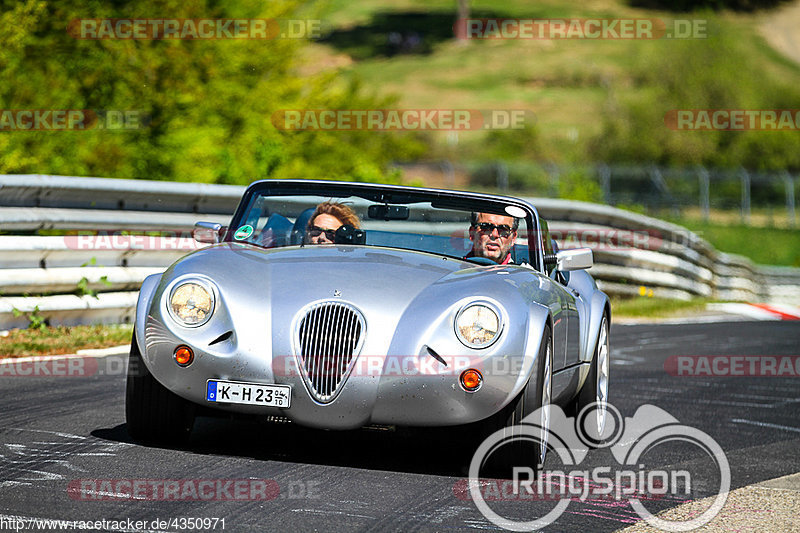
{"x": 248, "y": 393}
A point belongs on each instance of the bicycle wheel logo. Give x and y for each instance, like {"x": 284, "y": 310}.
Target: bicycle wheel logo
{"x": 628, "y": 440}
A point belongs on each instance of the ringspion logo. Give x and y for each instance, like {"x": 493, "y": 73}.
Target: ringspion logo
{"x": 559, "y": 478}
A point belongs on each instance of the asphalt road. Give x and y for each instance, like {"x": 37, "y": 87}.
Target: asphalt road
{"x": 58, "y": 432}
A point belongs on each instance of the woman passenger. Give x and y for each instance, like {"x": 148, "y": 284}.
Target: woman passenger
{"x": 327, "y": 218}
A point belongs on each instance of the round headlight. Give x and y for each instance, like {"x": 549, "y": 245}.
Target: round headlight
{"x": 191, "y": 303}
{"x": 477, "y": 325}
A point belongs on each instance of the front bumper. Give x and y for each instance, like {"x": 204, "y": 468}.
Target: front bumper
{"x": 386, "y": 389}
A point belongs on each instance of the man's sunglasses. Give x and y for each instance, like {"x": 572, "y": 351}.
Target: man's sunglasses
{"x": 316, "y": 231}
{"x": 504, "y": 230}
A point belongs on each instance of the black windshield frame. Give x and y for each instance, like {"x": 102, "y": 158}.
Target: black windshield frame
{"x": 399, "y": 195}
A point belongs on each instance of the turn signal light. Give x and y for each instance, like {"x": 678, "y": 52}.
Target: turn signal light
{"x": 184, "y": 355}
{"x": 471, "y": 380}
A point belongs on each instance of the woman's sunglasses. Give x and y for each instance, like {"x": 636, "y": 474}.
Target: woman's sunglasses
{"x": 316, "y": 231}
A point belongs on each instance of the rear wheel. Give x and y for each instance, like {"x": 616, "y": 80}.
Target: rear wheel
{"x": 152, "y": 412}
{"x": 595, "y": 388}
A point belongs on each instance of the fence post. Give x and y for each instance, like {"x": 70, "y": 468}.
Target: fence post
{"x": 502, "y": 176}
{"x": 554, "y": 172}
{"x": 788, "y": 182}
{"x": 705, "y": 187}
{"x": 605, "y": 182}
{"x": 745, "y": 177}
{"x": 449, "y": 173}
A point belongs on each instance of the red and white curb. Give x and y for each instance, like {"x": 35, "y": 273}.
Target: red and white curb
{"x": 724, "y": 312}
{"x": 758, "y": 311}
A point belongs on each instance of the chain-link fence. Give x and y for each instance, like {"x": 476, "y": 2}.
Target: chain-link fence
{"x": 653, "y": 189}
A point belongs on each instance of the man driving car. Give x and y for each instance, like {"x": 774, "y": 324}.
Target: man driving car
{"x": 492, "y": 236}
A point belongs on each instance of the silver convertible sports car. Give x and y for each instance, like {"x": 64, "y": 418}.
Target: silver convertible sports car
{"x": 342, "y": 305}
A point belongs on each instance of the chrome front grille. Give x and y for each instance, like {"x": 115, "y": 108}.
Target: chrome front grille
{"x": 329, "y": 337}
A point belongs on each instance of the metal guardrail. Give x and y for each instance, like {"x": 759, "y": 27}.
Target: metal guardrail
{"x": 631, "y": 250}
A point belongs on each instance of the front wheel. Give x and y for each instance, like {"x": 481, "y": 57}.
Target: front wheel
{"x": 152, "y": 412}
{"x": 519, "y": 449}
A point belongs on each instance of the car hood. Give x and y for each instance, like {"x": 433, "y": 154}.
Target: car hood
{"x": 294, "y": 276}
{"x": 263, "y": 292}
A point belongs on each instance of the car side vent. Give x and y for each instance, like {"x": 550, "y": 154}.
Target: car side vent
{"x": 329, "y": 337}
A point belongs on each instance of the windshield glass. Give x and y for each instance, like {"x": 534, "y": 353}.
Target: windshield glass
{"x": 464, "y": 228}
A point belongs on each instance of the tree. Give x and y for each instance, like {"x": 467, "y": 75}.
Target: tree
{"x": 203, "y": 106}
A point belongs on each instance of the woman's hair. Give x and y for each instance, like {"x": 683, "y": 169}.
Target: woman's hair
{"x": 343, "y": 214}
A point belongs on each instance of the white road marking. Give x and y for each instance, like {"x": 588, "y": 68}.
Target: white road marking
{"x": 106, "y": 352}
{"x": 765, "y": 425}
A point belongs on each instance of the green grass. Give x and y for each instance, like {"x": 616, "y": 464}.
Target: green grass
{"x": 62, "y": 340}
{"x": 568, "y": 84}
{"x": 645, "y": 307}
{"x": 766, "y": 246}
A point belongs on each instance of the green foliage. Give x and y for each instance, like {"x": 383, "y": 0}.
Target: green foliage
{"x": 511, "y": 144}
{"x": 204, "y": 106}
{"x": 35, "y": 318}
{"x": 720, "y": 72}
{"x": 766, "y": 246}
{"x": 82, "y": 287}
{"x": 718, "y": 5}
{"x": 579, "y": 184}
{"x": 574, "y": 183}
{"x": 649, "y": 307}
{"x": 63, "y": 339}
{"x": 523, "y": 177}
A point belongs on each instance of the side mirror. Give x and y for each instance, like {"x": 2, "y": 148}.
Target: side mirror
{"x": 577, "y": 259}
{"x": 208, "y": 232}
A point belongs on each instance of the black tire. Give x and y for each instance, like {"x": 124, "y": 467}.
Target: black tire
{"x": 593, "y": 390}
{"x": 153, "y": 413}
{"x": 523, "y": 451}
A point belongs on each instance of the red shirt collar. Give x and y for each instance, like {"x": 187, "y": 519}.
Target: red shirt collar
{"x": 506, "y": 261}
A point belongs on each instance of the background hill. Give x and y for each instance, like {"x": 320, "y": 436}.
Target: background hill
{"x": 595, "y": 100}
